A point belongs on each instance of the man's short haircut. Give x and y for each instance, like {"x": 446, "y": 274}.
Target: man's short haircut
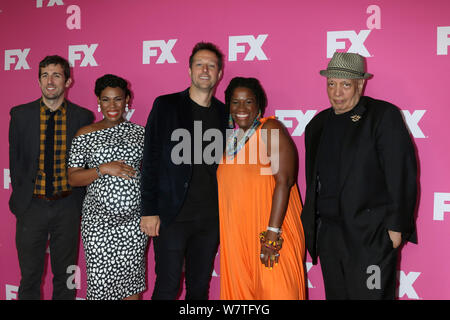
{"x": 250, "y": 83}
{"x": 210, "y": 47}
{"x": 55, "y": 60}
{"x": 112, "y": 81}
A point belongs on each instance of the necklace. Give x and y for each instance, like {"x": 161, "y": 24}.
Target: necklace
{"x": 234, "y": 144}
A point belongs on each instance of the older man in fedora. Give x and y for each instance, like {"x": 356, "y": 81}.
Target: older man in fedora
{"x": 361, "y": 186}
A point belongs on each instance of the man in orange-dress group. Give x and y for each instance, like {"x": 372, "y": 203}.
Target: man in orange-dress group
{"x": 179, "y": 200}
{"x": 40, "y": 136}
{"x": 361, "y": 186}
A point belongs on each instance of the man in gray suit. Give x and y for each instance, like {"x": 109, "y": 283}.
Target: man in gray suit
{"x": 45, "y": 205}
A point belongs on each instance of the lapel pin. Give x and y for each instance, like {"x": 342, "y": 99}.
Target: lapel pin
{"x": 355, "y": 117}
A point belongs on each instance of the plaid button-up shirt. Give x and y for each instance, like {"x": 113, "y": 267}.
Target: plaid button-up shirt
{"x": 60, "y": 181}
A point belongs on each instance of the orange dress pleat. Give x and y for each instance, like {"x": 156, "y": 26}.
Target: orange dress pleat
{"x": 246, "y": 188}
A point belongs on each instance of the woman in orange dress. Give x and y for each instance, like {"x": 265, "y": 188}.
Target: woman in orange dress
{"x": 262, "y": 244}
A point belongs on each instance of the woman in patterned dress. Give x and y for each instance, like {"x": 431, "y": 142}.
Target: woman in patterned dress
{"x": 106, "y": 157}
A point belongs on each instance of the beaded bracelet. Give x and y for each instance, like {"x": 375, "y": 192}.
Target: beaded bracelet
{"x": 270, "y": 244}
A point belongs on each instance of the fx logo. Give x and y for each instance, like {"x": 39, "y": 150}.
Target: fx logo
{"x": 309, "y": 265}
{"x": 302, "y": 118}
{"x": 236, "y": 45}
{"x": 443, "y": 40}
{"x": 406, "y": 284}
{"x": 21, "y": 55}
{"x": 11, "y": 292}
{"x": 50, "y": 3}
{"x": 356, "y": 41}
{"x": 6, "y": 179}
{"x": 441, "y": 205}
{"x": 88, "y": 52}
{"x": 165, "y": 48}
{"x": 412, "y": 121}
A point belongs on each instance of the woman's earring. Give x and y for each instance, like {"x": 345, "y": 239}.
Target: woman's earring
{"x": 99, "y": 109}
{"x": 126, "y": 108}
{"x": 230, "y": 122}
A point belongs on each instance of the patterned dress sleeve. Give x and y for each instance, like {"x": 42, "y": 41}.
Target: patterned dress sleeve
{"x": 78, "y": 153}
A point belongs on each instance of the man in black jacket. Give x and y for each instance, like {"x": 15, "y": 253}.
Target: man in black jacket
{"x": 45, "y": 205}
{"x": 179, "y": 186}
{"x": 361, "y": 186}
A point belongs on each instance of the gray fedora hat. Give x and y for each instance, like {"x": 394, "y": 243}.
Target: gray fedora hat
{"x": 346, "y": 65}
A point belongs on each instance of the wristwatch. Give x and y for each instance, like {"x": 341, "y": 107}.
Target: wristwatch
{"x": 97, "y": 169}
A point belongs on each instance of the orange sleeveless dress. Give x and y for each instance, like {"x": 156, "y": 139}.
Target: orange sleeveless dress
{"x": 245, "y": 200}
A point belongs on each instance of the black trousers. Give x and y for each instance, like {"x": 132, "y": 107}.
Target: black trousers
{"x": 352, "y": 271}
{"x": 55, "y": 221}
{"x": 194, "y": 243}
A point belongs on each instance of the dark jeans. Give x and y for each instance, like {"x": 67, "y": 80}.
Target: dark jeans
{"x": 192, "y": 242}
{"x": 55, "y": 221}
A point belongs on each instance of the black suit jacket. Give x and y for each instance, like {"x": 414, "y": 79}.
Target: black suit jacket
{"x": 24, "y": 144}
{"x": 164, "y": 184}
{"x": 378, "y": 176}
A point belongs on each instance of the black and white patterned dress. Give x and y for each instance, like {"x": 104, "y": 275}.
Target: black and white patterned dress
{"x": 113, "y": 244}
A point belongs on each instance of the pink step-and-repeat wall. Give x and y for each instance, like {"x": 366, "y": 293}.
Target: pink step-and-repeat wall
{"x": 282, "y": 43}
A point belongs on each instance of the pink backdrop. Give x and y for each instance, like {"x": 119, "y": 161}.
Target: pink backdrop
{"x": 284, "y": 44}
